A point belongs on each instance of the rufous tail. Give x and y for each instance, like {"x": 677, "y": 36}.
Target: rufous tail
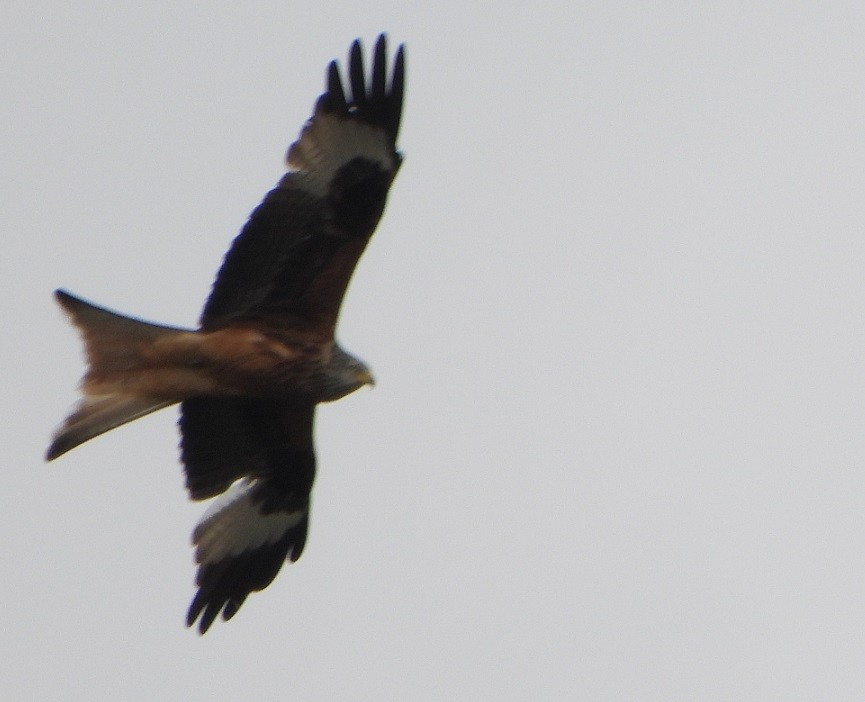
{"x": 113, "y": 347}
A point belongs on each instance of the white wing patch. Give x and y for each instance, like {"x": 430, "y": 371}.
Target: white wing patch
{"x": 234, "y": 523}
{"x": 327, "y": 143}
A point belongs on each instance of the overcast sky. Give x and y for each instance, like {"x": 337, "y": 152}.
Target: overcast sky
{"x": 615, "y": 309}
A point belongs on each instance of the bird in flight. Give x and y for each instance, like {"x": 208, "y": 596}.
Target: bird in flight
{"x": 264, "y": 355}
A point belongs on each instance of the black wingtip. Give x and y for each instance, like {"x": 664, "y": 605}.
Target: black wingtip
{"x": 378, "y": 102}
{"x": 396, "y": 93}
{"x": 379, "y": 71}
{"x": 204, "y": 608}
{"x": 356, "y": 76}
{"x": 193, "y": 612}
{"x": 335, "y": 95}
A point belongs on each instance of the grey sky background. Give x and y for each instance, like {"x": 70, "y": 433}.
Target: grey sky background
{"x": 616, "y": 313}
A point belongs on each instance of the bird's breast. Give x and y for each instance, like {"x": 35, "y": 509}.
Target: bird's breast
{"x": 255, "y": 363}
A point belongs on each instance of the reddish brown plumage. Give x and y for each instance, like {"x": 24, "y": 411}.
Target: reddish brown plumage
{"x": 249, "y": 378}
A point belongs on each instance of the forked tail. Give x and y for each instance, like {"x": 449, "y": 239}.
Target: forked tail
{"x": 113, "y": 346}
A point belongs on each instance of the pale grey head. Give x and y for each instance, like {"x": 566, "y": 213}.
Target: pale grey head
{"x": 345, "y": 374}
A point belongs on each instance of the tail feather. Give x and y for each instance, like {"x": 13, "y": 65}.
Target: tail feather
{"x": 112, "y": 341}
{"x": 113, "y": 347}
{"x": 96, "y": 414}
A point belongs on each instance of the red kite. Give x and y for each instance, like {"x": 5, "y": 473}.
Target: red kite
{"x": 249, "y": 378}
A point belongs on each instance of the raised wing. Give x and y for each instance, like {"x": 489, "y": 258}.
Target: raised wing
{"x": 258, "y": 522}
{"x": 291, "y": 263}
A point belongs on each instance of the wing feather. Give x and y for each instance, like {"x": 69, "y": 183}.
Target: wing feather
{"x": 397, "y": 91}
{"x": 226, "y": 438}
{"x": 335, "y": 95}
{"x": 259, "y": 455}
{"x": 379, "y": 65}
{"x": 355, "y": 73}
{"x": 330, "y": 201}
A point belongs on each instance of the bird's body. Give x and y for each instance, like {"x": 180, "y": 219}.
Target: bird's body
{"x": 249, "y": 378}
{"x": 239, "y": 360}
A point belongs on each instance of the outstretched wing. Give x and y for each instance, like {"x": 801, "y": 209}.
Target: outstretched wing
{"x": 259, "y": 521}
{"x": 291, "y": 263}
{"x": 287, "y": 270}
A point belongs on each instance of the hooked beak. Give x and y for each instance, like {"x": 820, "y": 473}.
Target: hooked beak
{"x": 365, "y": 378}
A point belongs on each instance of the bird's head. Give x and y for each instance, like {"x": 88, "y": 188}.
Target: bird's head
{"x": 363, "y": 375}
{"x": 347, "y": 374}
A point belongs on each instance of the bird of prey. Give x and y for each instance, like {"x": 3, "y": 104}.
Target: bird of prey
{"x": 264, "y": 355}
